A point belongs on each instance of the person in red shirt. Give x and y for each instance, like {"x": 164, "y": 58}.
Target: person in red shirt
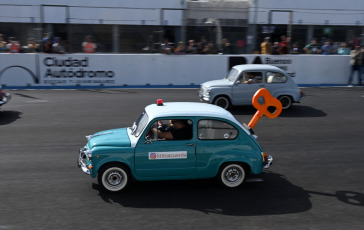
{"x": 283, "y": 47}
{"x": 88, "y": 45}
{"x": 13, "y": 46}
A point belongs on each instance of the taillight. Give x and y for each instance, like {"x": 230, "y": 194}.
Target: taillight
{"x": 265, "y": 157}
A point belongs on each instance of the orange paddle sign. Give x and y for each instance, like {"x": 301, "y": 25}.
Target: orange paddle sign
{"x": 269, "y": 101}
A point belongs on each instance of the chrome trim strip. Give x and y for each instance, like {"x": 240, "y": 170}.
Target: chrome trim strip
{"x": 269, "y": 163}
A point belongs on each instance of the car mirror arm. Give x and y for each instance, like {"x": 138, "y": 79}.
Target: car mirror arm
{"x": 148, "y": 141}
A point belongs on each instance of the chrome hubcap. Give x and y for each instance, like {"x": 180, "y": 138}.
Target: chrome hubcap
{"x": 232, "y": 174}
{"x": 114, "y": 178}
{"x": 221, "y": 102}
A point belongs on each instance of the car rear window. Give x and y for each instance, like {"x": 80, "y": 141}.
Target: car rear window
{"x": 275, "y": 77}
{"x": 216, "y": 130}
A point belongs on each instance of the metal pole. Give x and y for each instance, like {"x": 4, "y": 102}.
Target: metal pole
{"x": 254, "y": 38}
{"x": 41, "y": 22}
{"x": 289, "y": 26}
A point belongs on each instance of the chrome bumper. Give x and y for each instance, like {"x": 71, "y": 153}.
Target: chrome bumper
{"x": 5, "y": 99}
{"x": 204, "y": 98}
{"x": 81, "y": 162}
{"x": 269, "y": 162}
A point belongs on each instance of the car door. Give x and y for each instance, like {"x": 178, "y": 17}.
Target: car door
{"x": 275, "y": 82}
{"x": 164, "y": 158}
{"x": 217, "y": 140}
{"x": 244, "y": 88}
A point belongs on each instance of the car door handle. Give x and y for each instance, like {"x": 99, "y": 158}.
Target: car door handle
{"x": 190, "y": 144}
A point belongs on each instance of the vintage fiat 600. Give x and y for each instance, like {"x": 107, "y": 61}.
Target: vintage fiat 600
{"x": 174, "y": 141}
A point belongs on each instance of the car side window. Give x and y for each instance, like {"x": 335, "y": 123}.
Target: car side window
{"x": 251, "y": 77}
{"x": 274, "y": 77}
{"x": 177, "y": 129}
{"x": 216, "y": 130}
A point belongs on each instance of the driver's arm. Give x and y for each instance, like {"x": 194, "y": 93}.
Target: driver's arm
{"x": 167, "y": 135}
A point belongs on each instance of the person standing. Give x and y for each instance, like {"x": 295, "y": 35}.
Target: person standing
{"x": 3, "y": 44}
{"x": 283, "y": 45}
{"x": 226, "y": 47}
{"x": 58, "y": 46}
{"x": 343, "y": 49}
{"x": 313, "y": 47}
{"x": 355, "y": 65}
{"x": 88, "y": 45}
{"x": 13, "y": 46}
{"x": 266, "y": 46}
{"x": 327, "y": 48}
{"x": 275, "y": 48}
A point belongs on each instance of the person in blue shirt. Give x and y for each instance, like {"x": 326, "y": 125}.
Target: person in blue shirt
{"x": 343, "y": 49}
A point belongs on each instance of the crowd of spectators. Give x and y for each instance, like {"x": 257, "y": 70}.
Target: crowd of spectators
{"x": 285, "y": 46}
{"x": 57, "y": 45}
{"x": 48, "y": 44}
{"x": 200, "y": 47}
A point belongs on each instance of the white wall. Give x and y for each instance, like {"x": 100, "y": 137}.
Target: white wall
{"x": 157, "y": 69}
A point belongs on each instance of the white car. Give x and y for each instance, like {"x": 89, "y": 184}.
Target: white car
{"x": 239, "y": 86}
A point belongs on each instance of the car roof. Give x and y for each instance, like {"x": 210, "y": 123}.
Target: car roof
{"x": 194, "y": 109}
{"x": 257, "y": 67}
{"x": 190, "y": 109}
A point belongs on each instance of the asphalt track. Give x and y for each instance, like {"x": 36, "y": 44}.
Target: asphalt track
{"x": 316, "y": 181}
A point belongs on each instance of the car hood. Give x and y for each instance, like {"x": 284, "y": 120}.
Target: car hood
{"x": 113, "y": 137}
{"x": 217, "y": 83}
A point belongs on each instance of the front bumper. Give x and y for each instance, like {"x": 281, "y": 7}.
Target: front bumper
{"x": 204, "y": 98}
{"x": 268, "y": 163}
{"x": 81, "y": 161}
{"x": 5, "y": 99}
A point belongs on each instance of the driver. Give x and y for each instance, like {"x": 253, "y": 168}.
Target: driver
{"x": 179, "y": 130}
{"x": 252, "y": 79}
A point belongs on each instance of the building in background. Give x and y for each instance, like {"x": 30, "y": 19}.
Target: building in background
{"x": 337, "y": 20}
{"x": 135, "y": 26}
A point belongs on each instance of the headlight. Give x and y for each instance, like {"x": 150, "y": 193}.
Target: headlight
{"x": 205, "y": 91}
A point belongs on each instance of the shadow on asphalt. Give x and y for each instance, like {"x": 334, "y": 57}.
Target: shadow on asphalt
{"x": 294, "y": 111}
{"x": 274, "y": 195}
{"x": 348, "y": 197}
{"x": 7, "y": 117}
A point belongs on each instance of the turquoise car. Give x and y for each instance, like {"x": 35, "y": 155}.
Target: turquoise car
{"x": 174, "y": 141}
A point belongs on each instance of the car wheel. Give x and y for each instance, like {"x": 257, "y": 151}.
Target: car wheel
{"x": 286, "y": 101}
{"x": 222, "y": 101}
{"x": 114, "y": 177}
{"x": 232, "y": 175}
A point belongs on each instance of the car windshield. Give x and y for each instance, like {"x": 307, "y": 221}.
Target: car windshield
{"x": 233, "y": 74}
{"x": 139, "y": 124}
